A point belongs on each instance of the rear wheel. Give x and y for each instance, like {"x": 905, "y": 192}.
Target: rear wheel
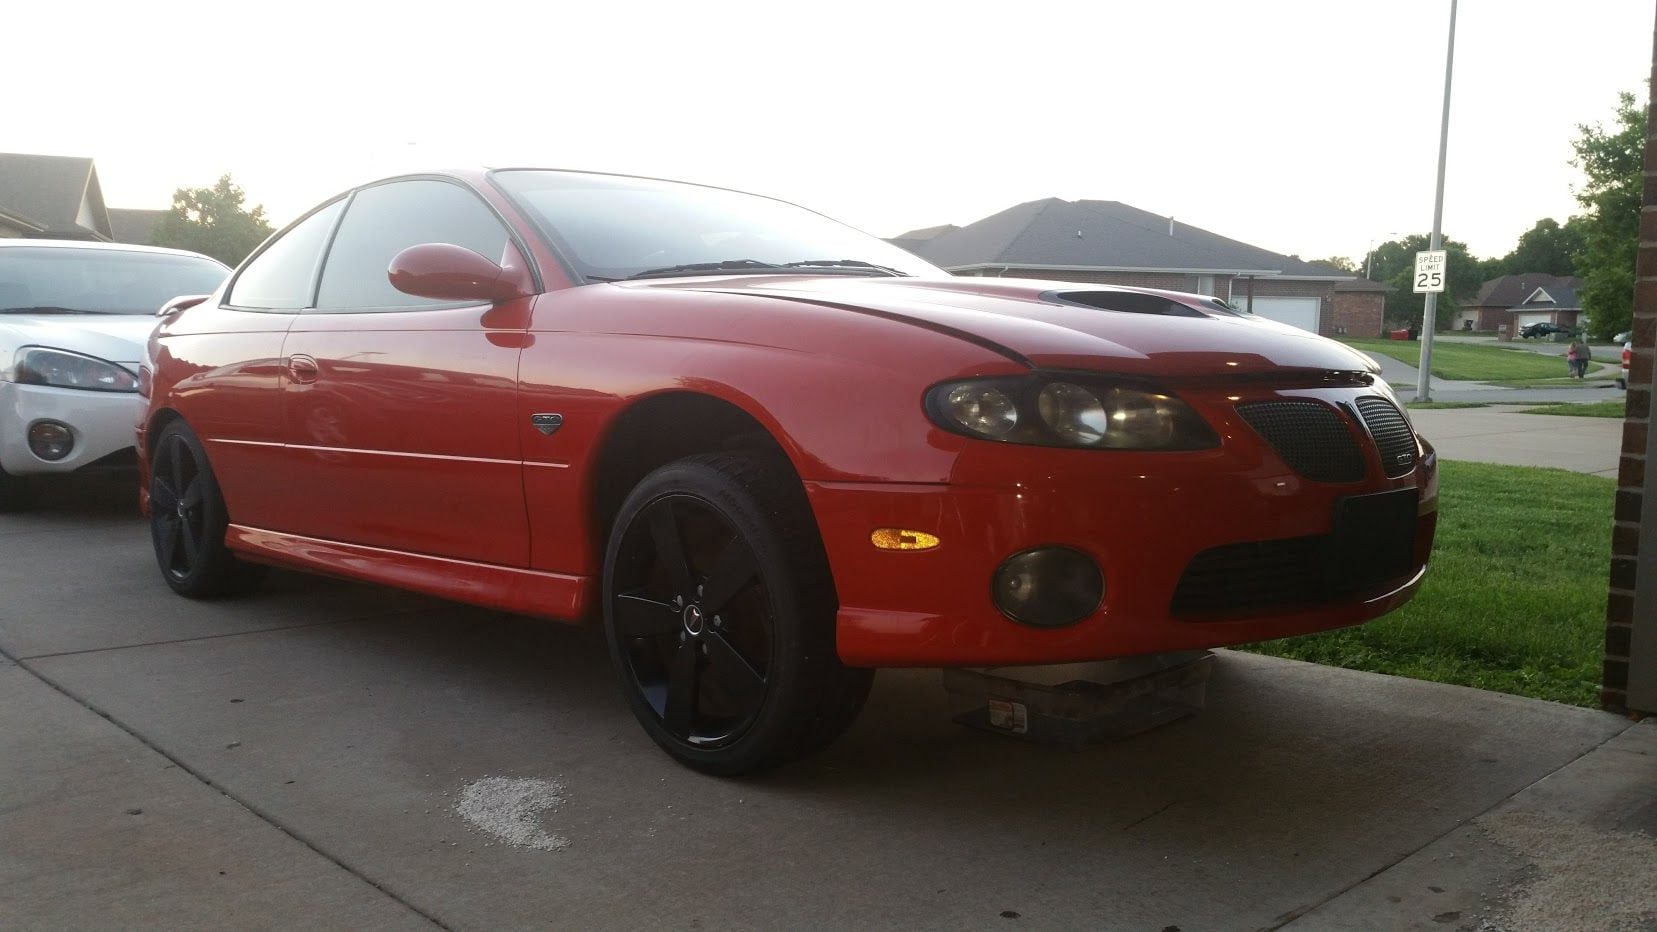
{"x": 719, "y": 611}
{"x": 188, "y": 521}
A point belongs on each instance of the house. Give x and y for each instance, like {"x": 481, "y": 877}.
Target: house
{"x": 1114, "y": 243}
{"x": 1505, "y": 304}
{"x": 55, "y": 197}
{"x": 58, "y": 197}
{"x": 134, "y": 226}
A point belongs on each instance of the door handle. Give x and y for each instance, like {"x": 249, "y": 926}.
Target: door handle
{"x": 302, "y": 369}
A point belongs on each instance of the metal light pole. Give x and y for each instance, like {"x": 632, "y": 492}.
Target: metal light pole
{"x": 1424, "y": 378}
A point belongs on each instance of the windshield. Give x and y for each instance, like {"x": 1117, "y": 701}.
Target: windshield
{"x": 612, "y": 227}
{"x": 100, "y": 281}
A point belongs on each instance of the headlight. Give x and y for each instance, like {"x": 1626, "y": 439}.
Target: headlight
{"x": 1068, "y": 411}
{"x": 37, "y": 365}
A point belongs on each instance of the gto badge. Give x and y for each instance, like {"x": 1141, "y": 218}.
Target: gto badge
{"x": 547, "y": 423}
{"x": 1403, "y": 458}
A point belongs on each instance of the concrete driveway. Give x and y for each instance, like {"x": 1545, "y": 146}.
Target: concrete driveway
{"x": 296, "y": 759}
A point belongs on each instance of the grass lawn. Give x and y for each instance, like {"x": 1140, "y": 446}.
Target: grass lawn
{"x": 1469, "y": 362}
{"x": 1616, "y": 407}
{"x": 1514, "y": 599}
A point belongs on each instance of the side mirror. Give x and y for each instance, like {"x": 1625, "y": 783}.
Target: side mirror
{"x": 453, "y": 273}
{"x": 181, "y": 303}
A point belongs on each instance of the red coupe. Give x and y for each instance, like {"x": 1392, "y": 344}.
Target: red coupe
{"x": 767, "y": 452}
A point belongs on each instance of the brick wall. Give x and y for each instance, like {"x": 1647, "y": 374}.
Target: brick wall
{"x": 1358, "y": 313}
{"x": 1631, "y": 475}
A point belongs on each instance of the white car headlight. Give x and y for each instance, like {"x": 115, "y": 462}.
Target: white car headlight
{"x": 38, "y": 365}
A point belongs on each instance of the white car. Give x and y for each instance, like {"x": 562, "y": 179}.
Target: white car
{"x": 74, "y": 320}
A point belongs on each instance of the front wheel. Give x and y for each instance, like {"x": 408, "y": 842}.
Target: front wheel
{"x": 188, "y": 521}
{"x": 719, "y": 611}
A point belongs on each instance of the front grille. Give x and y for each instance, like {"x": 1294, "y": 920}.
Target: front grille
{"x": 1392, "y": 435}
{"x": 1372, "y": 544}
{"x": 1251, "y": 577}
{"x": 1310, "y": 436}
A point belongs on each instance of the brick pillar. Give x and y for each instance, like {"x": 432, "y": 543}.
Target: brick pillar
{"x": 1633, "y": 594}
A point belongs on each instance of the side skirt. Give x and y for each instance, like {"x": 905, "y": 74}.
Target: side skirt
{"x": 511, "y": 589}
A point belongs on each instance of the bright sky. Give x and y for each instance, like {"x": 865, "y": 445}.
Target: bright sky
{"x": 1303, "y": 126}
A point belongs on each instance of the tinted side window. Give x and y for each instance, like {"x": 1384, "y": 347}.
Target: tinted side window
{"x": 282, "y": 275}
{"x": 386, "y": 219}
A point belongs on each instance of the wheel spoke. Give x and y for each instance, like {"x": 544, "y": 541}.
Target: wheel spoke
{"x": 176, "y": 461}
{"x": 167, "y": 542}
{"x": 190, "y": 537}
{"x": 641, "y": 617}
{"x": 163, "y": 497}
{"x": 733, "y": 673}
{"x": 681, "y": 690}
{"x": 733, "y": 572}
{"x": 670, "y": 547}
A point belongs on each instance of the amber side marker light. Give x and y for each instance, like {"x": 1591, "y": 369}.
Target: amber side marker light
{"x": 894, "y": 538}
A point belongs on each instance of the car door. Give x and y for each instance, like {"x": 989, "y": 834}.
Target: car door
{"x": 233, "y": 397}
{"x": 399, "y": 411}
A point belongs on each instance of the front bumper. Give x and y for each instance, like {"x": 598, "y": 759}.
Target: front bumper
{"x": 1142, "y": 517}
{"x": 101, "y": 423}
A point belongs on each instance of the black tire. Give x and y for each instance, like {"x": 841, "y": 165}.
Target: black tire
{"x": 719, "y": 611}
{"x": 12, "y": 495}
{"x": 188, "y": 520}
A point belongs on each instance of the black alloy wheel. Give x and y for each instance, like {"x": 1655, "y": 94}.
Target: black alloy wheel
{"x": 188, "y": 520}
{"x": 719, "y": 611}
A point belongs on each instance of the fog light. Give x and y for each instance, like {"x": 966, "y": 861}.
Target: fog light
{"x": 50, "y": 440}
{"x": 1048, "y": 587}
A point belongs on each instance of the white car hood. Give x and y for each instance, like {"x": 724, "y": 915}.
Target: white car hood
{"x": 117, "y": 338}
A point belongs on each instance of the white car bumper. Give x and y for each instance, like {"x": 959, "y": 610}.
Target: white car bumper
{"x": 101, "y": 422}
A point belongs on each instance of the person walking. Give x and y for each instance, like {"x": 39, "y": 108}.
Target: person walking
{"x": 1576, "y": 358}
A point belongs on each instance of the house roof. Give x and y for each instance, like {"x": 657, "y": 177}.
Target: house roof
{"x": 1362, "y": 284}
{"x": 1510, "y": 291}
{"x": 59, "y": 192}
{"x": 1054, "y": 233}
{"x": 130, "y": 225}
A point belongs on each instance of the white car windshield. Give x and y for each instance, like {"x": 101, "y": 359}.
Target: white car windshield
{"x": 47, "y": 279}
{"x": 612, "y": 227}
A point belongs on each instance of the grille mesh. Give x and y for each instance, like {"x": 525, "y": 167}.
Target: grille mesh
{"x": 1311, "y": 437}
{"x": 1252, "y": 577}
{"x": 1392, "y": 435}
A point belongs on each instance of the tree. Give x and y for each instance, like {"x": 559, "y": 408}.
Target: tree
{"x": 1340, "y": 262}
{"x": 213, "y": 221}
{"x": 1393, "y": 262}
{"x": 1546, "y": 247}
{"x": 1611, "y": 163}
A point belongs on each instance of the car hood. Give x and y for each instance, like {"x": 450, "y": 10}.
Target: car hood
{"x": 1040, "y": 323}
{"x": 115, "y": 337}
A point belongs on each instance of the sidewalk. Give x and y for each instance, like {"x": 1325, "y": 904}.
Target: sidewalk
{"x": 1502, "y": 435}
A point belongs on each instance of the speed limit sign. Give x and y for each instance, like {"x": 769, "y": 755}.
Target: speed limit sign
{"x": 1429, "y": 270}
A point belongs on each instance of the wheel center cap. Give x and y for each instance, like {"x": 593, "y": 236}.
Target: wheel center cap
{"x": 182, "y": 511}
{"x": 693, "y": 619}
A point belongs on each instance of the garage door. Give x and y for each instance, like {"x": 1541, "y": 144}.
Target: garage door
{"x": 1297, "y": 312}
{"x": 1519, "y": 320}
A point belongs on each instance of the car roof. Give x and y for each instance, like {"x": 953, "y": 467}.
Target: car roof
{"x": 107, "y": 247}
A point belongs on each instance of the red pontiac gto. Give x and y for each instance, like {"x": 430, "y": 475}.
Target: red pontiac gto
{"x": 769, "y": 452}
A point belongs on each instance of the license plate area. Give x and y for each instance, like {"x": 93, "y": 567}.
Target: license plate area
{"x": 1373, "y": 540}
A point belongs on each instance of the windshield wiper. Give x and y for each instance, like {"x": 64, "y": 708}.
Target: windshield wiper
{"x": 846, "y": 264}
{"x": 727, "y": 265}
{"x": 45, "y": 309}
